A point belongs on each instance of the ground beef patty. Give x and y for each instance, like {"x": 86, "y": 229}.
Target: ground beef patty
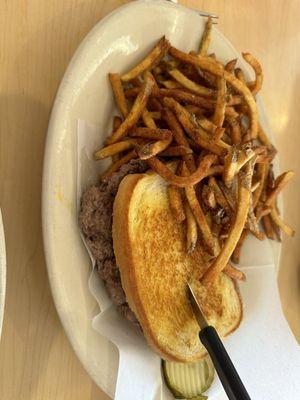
{"x": 95, "y": 219}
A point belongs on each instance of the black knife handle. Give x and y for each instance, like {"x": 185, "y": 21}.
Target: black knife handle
{"x": 228, "y": 375}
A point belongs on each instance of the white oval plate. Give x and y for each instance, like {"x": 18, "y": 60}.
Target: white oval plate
{"x": 115, "y": 44}
{"x": 2, "y": 272}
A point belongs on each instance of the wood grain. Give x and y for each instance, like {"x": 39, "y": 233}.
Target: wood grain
{"x": 37, "y": 40}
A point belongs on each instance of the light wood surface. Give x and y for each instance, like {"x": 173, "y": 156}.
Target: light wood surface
{"x": 38, "y": 38}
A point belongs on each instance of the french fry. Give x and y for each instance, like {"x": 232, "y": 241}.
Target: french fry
{"x": 149, "y": 133}
{"x": 118, "y": 164}
{"x": 149, "y": 150}
{"x": 245, "y": 155}
{"x": 219, "y": 113}
{"x": 182, "y": 181}
{"x": 229, "y": 67}
{"x": 215, "y": 68}
{"x": 262, "y": 171}
{"x": 155, "y": 114}
{"x": 236, "y": 229}
{"x": 191, "y": 229}
{"x": 179, "y": 137}
{"x": 208, "y": 239}
{"x": 189, "y": 84}
{"x": 118, "y": 91}
{"x": 148, "y": 119}
{"x": 116, "y": 123}
{"x": 280, "y": 182}
{"x": 252, "y": 223}
{"x": 268, "y": 228}
{"x": 208, "y": 196}
{"x": 228, "y": 194}
{"x": 240, "y": 75}
{"x": 206, "y": 124}
{"x": 237, "y": 251}
{"x": 113, "y": 149}
{"x": 262, "y": 210}
{"x": 182, "y": 96}
{"x": 256, "y": 86}
{"x": 280, "y": 223}
{"x": 175, "y": 151}
{"x": 220, "y": 198}
{"x": 206, "y": 38}
{"x": 255, "y": 186}
{"x": 135, "y": 112}
{"x": 171, "y": 84}
{"x": 230, "y": 166}
{"x": 152, "y": 59}
{"x": 234, "y": 273}
{"x": 235, "y": 100}
{"x": 176, "y": 203}
{"x": 214, "y": 170}
{"x": 196, "y": 133}
{"x": 235, "y": 130}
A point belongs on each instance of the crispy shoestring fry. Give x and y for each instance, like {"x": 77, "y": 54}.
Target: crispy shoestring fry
{"x": 235, "y": 130}
{"x": 236, "y": 229}
{"x": 175, "y": 151}
{"x": 148, "y": 119}
{"x": 219, "y": 114}
{"x": 113, "y": 149}
{"x": 213, "y": 67}
{"x": 155, "y": 114}
{"x": 219, "y": 196}
{"x": 279, "y": 222}
{"x": 229, "y": 67}
{"x": 268, "y": 228}
{"x": 240, "y": 75}
{"x": 120, "y": 98}
{"x": 230, "y": 166}
{"x": 179, "y": 137}
{"x": 135, "y": 112}
{"x": 237, "y": 251}
{"x": 191, "y": 229}
{"x": 152, "y": 59}
{"x": 262, "y": 172}
{"x": 208, "y": 196}
{"x": 176, "y": 203}
{"x": 149, "y": 150}
{"x": 196, "y": 133}
{"x": 206, "y": 38}
{"x": 189, "y": 84}
{"x": 234, "y": 273}
{"x": 171, "y": 84}
{"x": 118, "y": 164}
{"x": 228, "y": 194}
{"x": 116, "y": 123}
{"x": 280, "y": 182}
{"x": 149, "y": 133}
{"x": 256, "y": 86}
{"x": 182, "y": 181}
{"x": 208, "y": 239}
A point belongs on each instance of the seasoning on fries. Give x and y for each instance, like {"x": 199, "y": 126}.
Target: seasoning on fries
{"x": 189, "y": 108}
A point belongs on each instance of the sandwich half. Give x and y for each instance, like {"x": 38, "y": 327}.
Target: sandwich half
{"x": 155, "y": 267}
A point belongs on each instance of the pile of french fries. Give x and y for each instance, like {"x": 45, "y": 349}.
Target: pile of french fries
{"x": 195, "y": 122}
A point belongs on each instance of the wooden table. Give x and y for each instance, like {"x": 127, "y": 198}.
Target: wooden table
{"x": 38, "y": 38}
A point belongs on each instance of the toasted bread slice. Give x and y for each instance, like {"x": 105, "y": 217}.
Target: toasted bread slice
{"x": 150, "y": 251}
